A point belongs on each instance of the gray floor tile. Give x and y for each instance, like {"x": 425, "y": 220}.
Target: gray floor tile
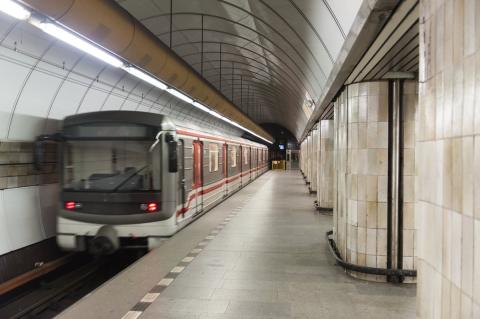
{"x": 272, "y": 261}
{"x": 252, "y": 308}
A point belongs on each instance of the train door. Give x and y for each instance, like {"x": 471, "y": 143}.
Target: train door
{"x": 241, "y": 149}
{"x": 248, "y": 163}
{"x": 198, "y": 175}
{"x": 225, "y": 169}
{"x": 255, "y": 163}
{"x": 181, "y": 173}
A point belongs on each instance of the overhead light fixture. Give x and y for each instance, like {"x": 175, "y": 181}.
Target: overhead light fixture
{"x": 217, "y": 115}
{"x": 100, "y": 53}
{"x": 201, "y": 106}
{"x": 79, "y": 43}
{"x": 15, "y": 10}
{"x": 145, "y": 77}
{"x": 180, "y": 95}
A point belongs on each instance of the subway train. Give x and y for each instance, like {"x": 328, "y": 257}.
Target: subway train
{"x": 128, "y": 179}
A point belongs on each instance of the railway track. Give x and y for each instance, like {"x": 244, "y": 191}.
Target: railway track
{"x": 49, "y": 296}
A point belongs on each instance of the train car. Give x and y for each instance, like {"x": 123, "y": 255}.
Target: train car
{"x": 130, "y": 178}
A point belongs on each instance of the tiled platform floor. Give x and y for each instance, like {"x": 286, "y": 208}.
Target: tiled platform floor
{"x": 271, "y": 260}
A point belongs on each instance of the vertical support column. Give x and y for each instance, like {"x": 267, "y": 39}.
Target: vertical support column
{"x": 373, "y": 120}
{"x": 309, "y": 158}
{"x": 340, "y": 173}
{"x": 325, "y": 159}
{"x": 314, "y": 159}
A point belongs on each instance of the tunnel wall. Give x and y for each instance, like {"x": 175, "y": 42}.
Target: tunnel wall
{"x": 325, "y": 164}
{"x": 448, "y": 147}
{"x": 361, "y": 176}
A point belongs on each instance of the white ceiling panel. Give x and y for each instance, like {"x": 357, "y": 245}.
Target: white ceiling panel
{"x": 37, "y": 94}
{"x": 280, "y": 50}
{"x": 296, "y": 41}
{"x": 67, "y": 100}
{"x": 94, "y": 98}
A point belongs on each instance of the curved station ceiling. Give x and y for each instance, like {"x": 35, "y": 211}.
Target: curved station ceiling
{"x": 250, "y": 61}
{"x": 270, "y": 57}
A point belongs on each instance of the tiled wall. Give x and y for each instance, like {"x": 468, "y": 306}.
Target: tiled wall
{"x": 448, "y": 154}
{"x": 28, "y": 206}
{"x": 17, "y": 169}
{"x": 325, "y": 164}
{"x": 361, "y": 175}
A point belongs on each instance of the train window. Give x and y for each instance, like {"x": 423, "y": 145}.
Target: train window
{"x": 213, "y": 157}
{"x": 233, "y": 156}
{"x": 111, "y": 166}
{"x": 245, "y": 155}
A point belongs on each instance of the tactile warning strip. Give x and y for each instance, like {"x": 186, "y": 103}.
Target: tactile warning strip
{"x": 166, "y": 281}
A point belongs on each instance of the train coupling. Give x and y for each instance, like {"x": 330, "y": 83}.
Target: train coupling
{"x": 105, "y": 242}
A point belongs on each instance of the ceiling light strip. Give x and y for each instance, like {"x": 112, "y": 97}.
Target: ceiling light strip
{"x": 13, "y": 9}
{"x": 79, "y": 43}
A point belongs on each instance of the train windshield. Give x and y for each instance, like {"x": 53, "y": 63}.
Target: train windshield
{"x": 110, "y": 166}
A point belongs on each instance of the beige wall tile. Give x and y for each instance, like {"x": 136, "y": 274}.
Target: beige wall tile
{"x": 456, "y": 243}
{"x": 361, "y": 258}
{"x": 467, "y": 311}
{"x": 408, "y": 240}
{"x": 362, "y": 214}
{"x": 382, "y": 215}
{"x": 467, "y": 176}
{"x": 467, "y": 255}
{"x": 362, "y": 109}
{"x": 476, "y": 176}
{"x": 371, "y": 248}
{"x": 362, "y": 240}
{"x": 371, "y": 215}
{"x": 476, "y": 262}
{"x": 371, "y": 261}
{"x": 382, "y": 243}
{"x": 381, "y": 262}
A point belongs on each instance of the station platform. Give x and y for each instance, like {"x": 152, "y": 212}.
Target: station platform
{"x": 260, "y": 254}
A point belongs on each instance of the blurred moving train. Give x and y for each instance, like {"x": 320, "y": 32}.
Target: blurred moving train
{"x": 130, "y": 178}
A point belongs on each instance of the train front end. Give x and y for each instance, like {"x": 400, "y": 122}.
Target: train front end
{"x": 116, "y": 172}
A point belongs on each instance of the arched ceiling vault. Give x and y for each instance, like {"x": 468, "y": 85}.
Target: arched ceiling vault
{"x": 272, "y": 58}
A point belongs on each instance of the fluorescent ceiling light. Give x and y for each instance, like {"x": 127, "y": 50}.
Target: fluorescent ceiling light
{"x": 145, "y": 77}
{"x": 79, "y": 43}
{"x": 180, "y": 95}
{"x": 84, "y": 45}
{"x": 218, "y": 115}
{"x": 201, "y": 106}
{"x": 14, "y": 9}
